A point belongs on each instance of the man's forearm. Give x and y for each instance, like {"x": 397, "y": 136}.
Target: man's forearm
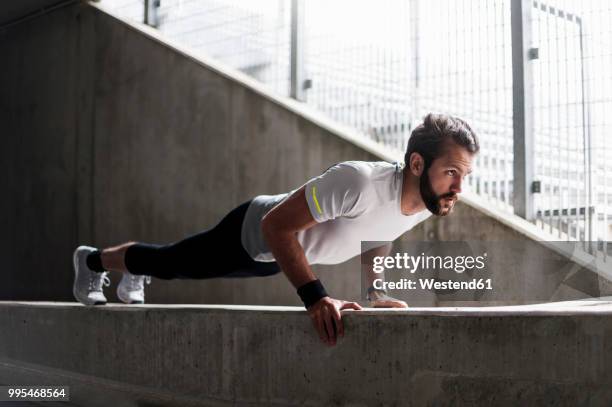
{"x": 367, "y": 263}
{"x": 290, "y": 256}
{"x": 370, "y": 276}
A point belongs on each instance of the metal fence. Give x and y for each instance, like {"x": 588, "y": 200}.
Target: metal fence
{"x": 252, "y": 36}
{"x": 572, "y": 92}
{"x": 533, "y": 78}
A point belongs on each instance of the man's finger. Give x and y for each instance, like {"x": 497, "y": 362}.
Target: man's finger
{"x": 351, "y": 305}
{"x": 338, "y": 321}
{"x": 318, "y": 322}
{"x": 390, "y": 304}
{"x": 399, "y": 304}
{"x": 329, "y": 325}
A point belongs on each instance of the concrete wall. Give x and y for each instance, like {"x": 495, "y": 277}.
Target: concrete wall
{"x": 557, "y": 355}
{"x": 111, "y": 136}
{"x": 533, "y": 271}
{"x": 45, "y": 113}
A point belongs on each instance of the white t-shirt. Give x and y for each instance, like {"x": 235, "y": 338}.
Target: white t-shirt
{"x": 353, "y": 201}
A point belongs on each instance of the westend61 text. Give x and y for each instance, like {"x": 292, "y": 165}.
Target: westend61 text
{"x": 433, "y": 284}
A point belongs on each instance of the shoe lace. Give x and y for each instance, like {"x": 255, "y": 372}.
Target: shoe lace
{"x": 97, "y": 280}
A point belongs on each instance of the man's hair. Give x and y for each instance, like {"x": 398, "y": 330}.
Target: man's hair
{"x": 431, "y": 137}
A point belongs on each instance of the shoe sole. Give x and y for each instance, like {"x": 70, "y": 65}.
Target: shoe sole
{"x": 75, "y": 264}
{"x": 123, "y": 300}
{"x": 128, "y": 301}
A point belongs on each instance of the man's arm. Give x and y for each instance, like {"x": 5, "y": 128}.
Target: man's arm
{"x": 378, "y": 299}
{"x": 280, "y": 226}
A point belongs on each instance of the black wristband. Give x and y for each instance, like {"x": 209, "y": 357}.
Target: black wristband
{"x": 311, "y": 292}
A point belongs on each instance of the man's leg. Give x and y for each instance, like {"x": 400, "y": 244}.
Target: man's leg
{"x": 113, "y": 258}
{"x": 217, "y": 252}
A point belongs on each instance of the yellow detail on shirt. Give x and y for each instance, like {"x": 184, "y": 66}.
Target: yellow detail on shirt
{"x": 314, "y": 196}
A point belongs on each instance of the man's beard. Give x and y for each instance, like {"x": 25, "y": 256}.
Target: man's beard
{"x": 431, "y": 200}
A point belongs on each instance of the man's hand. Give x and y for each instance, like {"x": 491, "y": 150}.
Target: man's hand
{"x": 326, "y": 318}
{"x": 379, "y": 299}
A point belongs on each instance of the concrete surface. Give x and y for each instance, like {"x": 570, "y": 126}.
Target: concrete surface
{"x": 11, "y": 11}
{"x": 112, "y": 135}
{"x": 550, "y": 354}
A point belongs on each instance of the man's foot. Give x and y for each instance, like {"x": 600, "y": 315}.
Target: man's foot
{"x": 87, "y": 288}
{"x": 131, "y": 288}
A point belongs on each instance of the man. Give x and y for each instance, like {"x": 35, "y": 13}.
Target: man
{"x": 322, "y": 222}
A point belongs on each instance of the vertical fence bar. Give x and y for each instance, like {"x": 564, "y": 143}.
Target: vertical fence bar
{"x": 556, "y": 128}
{"x": 297, "y": 50}
{"x": 522, "y": 91}
{"x": 151, "y": 16}
{"x": 413, "y": 12}
{"x": 586, "y": 126}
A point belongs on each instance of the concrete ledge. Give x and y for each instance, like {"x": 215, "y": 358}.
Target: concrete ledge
{"x": 554, "y": 354}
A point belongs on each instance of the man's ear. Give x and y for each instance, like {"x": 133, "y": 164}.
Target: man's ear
{"x": 417, "y": 164}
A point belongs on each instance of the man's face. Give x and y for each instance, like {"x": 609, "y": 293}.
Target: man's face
{"x": 440, "y": 185}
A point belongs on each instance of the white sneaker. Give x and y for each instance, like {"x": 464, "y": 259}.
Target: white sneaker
{"x": 131, "y": 288}
{"x": 87, "y": 288}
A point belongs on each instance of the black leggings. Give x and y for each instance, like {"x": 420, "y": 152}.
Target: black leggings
{"x": 217, "y": 252}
